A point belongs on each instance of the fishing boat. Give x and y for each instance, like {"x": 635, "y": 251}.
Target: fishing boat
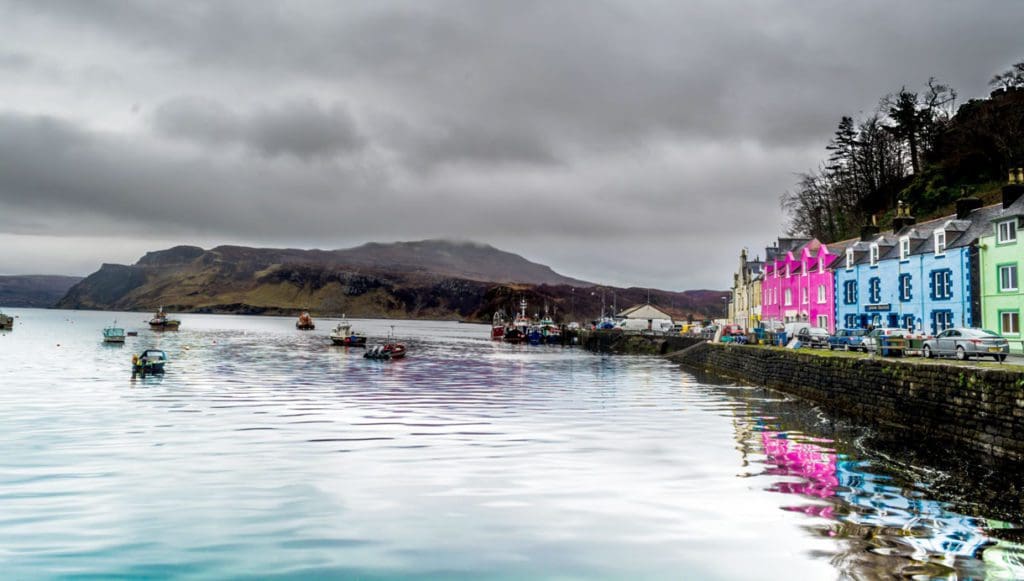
{"x": 498, "y": 326}
{"x": 160, "y": 322}
{"x": 518, "y": 330}
{"x": 113, "y": 334}
{"x": 305, "y": 322}
{"x": 149, "y": 361}
{"x": 388, "y": 351}
{"x": 6, "y": 322}
{"x": 551, "y": 332}
{"x": 344, "y": 335}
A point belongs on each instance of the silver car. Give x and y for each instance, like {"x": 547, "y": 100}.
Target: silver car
{"x": 964, "y": 343}
{"x": 872, "y": 342}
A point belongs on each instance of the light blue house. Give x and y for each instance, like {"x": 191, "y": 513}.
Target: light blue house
{"x": 919, "y": 276}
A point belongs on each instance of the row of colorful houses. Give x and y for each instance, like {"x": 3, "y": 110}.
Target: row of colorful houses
{"x": 960, "y": 270}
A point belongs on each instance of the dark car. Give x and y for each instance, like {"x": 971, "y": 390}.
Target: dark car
{"x": 847, "y": 339}
{"x": 964, "y": 343}
{"x": 813, "y": 337}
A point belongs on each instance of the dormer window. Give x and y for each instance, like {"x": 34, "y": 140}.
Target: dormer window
{"x": 905, "y": 248}
{"x": 849, "y": 258}
{"x": 940, "y": 242}
{"x": 821, "y": 265}
{"x": 873, "y": 254}
{"x": 789, "y": 270}
{"x": 1006, "y": 232}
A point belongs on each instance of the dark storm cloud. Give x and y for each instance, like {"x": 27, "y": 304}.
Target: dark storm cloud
{"x": 628, "y": 141}
{"x": 300, "y": 128}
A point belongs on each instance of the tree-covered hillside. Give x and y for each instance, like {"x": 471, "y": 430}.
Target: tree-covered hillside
{"x": 918, "y": 147}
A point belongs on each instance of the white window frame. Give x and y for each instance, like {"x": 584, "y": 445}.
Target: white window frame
{"x": 1012, "y": 329}
{"x": 804, "y": 296}
{"x": 904, "y": 247}
{"x": 821, "y": 265}
{"x": 1010, "y": 233}
{"x": 940, "y": 242}
{"x": 789, "y": 297}
{"x": 823, "y": 321}
{"x": 873, "y": 255}
{"x": 789, "y": 270}
{"x": 822, "y": 293}
{"x": 999, "y": 277}
{"x": 849, "y": 259}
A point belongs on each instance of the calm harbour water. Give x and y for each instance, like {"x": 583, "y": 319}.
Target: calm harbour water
{"x": 267, "y": 453}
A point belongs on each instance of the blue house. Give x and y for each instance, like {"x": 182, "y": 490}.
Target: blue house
{"x": 918, "y": 276}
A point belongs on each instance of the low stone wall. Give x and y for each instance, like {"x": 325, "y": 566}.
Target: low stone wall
{"x": 973, "y": 408}
{"x": 621, "y": 343}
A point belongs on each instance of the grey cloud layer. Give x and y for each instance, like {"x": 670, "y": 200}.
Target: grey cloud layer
{"x": 624, "y": 141}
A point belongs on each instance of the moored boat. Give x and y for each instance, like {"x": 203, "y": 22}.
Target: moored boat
{"x": 551, "y": 332}
{"x": 113, "y": 334}
{"x": 305, "y": 322}
{"x": 344, "y": 335}
{"x": 498, "y": 326}
{"x": 390, "y": 350}
{"x": 161, "y": 322}
{"x": 518, "y": 330}
{"x": 149, "y": 361}
{"x": 6, "y": 322}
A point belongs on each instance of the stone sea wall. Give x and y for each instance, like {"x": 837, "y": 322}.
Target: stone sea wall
{"x": 621, "y": 343}
{"x": 973, "y": 408}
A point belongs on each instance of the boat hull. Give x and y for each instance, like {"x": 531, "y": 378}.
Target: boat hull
{"x": 349, "y": 341}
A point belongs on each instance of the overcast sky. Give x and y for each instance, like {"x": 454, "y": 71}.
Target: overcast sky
{"x": 632, "y": 143}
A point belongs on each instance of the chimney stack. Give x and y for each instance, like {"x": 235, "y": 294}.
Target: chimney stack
{"x": 869, "y": 231}
{"x": 964, "y": 207}
{"x": 1014, "y": 187}
{"x": 903, "y": 217}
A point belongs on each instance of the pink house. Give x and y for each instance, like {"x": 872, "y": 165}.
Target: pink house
{"x": 799, "y": 286}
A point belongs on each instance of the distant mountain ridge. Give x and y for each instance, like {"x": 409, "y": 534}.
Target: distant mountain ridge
{"x": 433, "y": 279}
{"x": 34, "y": 290}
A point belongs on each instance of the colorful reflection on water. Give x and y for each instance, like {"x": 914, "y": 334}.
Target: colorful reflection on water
{"x": 879, "y": 517}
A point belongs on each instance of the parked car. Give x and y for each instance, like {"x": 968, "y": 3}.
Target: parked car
{"x": 847, "y": 339}
{"x": 813, "y": 337}
{"x": 964, "y": 343}
{"x": 872, "y": 341}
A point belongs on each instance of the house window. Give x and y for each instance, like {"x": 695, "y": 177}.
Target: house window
{"x": 823, "y": 321}
{"x": 850, "y": 292}
{"x": 873, "y": 254}
{"x": 849, "y": 258}
{"x": 1008, "y": 277}
{"x": 905, "y": 287}
{"x": 789, "y": 270}
{"x": 940, "y": 242}
{"x": 876, "y": 320}
{"x": 803, "y": 295}
{"x": 875, "y": 290}
{"x": 821, "y": 265}
{"x": 789, "y": 296}
{"x": 941, "y": 320}
{"x": 821, "y": 294}
{"x": 1006, "y": 232}
{"x": 851, "y": 321}
{"x": 905, "y": 248}
{"x": 941, "y": 284}
{"x": 908, "y": 322}
{"x": 1009, "y": 322}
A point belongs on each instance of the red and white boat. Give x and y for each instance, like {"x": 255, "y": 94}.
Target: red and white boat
{"x": 388, "y": 351}
{"x": 498, "y": 326}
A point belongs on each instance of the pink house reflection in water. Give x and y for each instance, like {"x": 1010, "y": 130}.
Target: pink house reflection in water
{"x": 814, "y": 465}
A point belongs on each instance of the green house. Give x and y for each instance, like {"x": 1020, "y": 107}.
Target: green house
{"x": 1001, "y": 258}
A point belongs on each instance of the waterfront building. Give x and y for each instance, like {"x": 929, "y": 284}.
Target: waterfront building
{"x": 745, "y": 303}
{"x": 799, "y": 287}
{"x": 917, "y": 276}
{"x": 650, "y": 316}
{"x": 1001, "y": 258}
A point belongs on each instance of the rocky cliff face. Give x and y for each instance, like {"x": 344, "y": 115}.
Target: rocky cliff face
{"x": 429, "y": 280}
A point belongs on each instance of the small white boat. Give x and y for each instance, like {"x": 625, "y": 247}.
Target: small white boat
{"x": 113, "y": 334}
{"x": 343, "y": 335}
